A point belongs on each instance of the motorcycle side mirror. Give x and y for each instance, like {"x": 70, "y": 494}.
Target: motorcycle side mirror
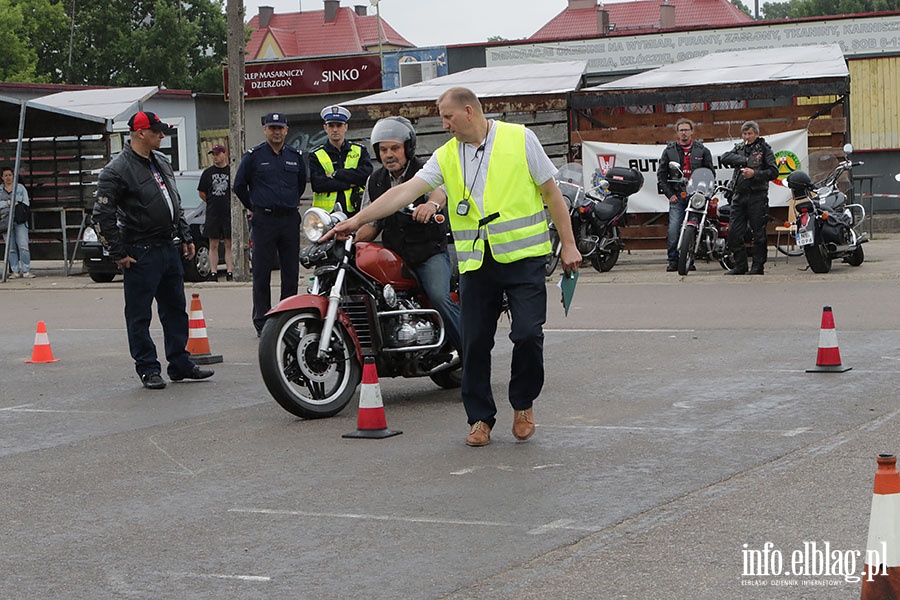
{"x": 848, "y": 148}
{"x": 676, "y": 166}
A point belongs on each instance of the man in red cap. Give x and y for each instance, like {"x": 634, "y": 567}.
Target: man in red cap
{"x": 215, "y": 190}
{"x": 139, "y": 220}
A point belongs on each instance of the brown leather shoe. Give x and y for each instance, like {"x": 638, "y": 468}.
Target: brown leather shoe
{"x": 479, "y": 435}
{"x": 523, "y": 424}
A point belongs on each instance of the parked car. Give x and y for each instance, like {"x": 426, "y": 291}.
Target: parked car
{"x": 102, "y": 269}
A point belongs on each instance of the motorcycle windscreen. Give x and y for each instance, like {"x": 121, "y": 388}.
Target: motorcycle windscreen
{"x": 702, "y": 180}
{"x": 384, "y": 266}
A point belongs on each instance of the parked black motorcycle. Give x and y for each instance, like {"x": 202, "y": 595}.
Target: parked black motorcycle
{"x": 363, "y": 301}
{"x": 704, "y": 230}
{"x": 595, "y": 215}
{"x": 826, "y": 226}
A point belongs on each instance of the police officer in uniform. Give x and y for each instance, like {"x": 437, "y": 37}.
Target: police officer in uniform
{"x": 338, "y": 169}
{"x": 269, "y": 183}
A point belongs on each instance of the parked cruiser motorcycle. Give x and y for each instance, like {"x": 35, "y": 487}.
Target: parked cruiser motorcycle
{"x": 363, "y": 301}
{"x": 704, "y": 230}
{"x": 826, "y": 225}
{"x": 595, "y": 215}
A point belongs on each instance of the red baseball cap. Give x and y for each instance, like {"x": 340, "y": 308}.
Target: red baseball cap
{"x": 217, "y": 149}
{"x": 146, "y": 120}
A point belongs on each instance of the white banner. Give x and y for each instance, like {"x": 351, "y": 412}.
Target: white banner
{"x": 790, "y": 150}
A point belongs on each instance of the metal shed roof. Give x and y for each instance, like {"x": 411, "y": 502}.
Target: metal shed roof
{"x": 488, "y": 82}
{"x": 796, "y": 71}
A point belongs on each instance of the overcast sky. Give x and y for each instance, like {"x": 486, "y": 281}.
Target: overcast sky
{"x": 442, "y": 22}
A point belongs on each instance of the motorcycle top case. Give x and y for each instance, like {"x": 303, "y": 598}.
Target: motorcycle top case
{"x": 624, "y": 181}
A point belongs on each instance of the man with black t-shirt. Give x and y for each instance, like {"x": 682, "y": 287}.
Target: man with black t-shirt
{"x": 215, "y": 190}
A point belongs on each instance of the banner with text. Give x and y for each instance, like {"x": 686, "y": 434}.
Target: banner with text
{"x": 307, "y": 77}
{"x": 790, "y": 150}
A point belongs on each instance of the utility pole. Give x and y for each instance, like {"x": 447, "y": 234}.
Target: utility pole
{"x": 240, "y": 236}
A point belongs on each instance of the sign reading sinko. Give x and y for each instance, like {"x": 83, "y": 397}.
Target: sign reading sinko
{"x": 308, "y": 77}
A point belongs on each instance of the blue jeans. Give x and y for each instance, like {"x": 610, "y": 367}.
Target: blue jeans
{"x": 434, "y": 276}
{"x": 676, "y": 217}
{"x": 19, "y": 255}
{"x": 482, "y": 294}
{"x": 157, "y": 274}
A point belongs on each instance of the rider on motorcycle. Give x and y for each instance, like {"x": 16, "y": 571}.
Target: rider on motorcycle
{"x": 412, "y": 232}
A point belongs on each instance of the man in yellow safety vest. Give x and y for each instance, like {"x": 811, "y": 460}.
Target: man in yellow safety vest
{"x": 497, "y": 178}
{"x": 338, "y": 169}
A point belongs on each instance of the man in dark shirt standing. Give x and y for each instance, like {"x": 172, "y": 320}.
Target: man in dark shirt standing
{"x": 269, "y": 182}
{"x": 137, "y": 187}
{"x": 338, "y": 169}
{"x": 215, "y": 190}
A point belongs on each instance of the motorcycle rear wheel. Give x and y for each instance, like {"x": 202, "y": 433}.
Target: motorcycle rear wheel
{"x": 686, "y": 249}
{"x": 449, "y": 379}
{"x": 303, "y": 384}
{"x": 817, "y": 258}
{"x": 553, "y": 257}
{"x": 855, "y": 258}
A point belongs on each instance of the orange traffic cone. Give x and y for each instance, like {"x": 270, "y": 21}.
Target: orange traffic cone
{"x": 370, "y": 420}
{"x": 198, "y": 343}
{"x": 41, "y": 352}
{"x": 881, "y": 576}
{"x": 828, "y": 360}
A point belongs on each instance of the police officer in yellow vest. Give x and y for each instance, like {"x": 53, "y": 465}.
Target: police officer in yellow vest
{"x": 497, "y": 177}
{"x": 338, "y": 169}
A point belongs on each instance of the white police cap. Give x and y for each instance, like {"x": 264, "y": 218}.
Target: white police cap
{"x": 335, "y": 113}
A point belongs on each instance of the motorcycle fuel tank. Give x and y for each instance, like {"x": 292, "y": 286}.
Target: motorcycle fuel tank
{"x": 385, "y": 266}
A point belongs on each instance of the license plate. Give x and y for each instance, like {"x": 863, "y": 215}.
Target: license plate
{"x": 804, "y": 238}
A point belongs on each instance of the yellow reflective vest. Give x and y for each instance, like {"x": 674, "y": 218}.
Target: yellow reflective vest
{"x": 520, "y": 229}
{"x": 326, "y": 200}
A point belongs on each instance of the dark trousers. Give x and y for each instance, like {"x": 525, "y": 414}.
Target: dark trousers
{"x": 274, "y": 235}
{"x": 157, "y": 274}
{"x": 748, "y": 210}
{"x": 481, "y": 295}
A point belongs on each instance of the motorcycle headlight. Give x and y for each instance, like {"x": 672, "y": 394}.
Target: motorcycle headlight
{"x": 89, "y": 235}
{"x": 698, "y": 201}
{"x": 390, "y": 296}
{"x": 316, "y": 222}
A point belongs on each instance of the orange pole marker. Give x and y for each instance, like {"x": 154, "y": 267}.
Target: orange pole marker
{"x": 198, "y": 342}
{"x": 371, "y": 421}
{"x": 41, "y": 353}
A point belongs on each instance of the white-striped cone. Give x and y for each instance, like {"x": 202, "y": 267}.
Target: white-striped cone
{"x": 828, "y": 359}
{"x": 198, "y": 342}
{"x": 371, "y": 422}
{"x": 881, "y": 576}
{"x": 41, "y": 352}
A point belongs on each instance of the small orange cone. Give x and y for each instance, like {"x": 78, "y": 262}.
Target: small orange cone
{"x": 198, "y": 343}
{"x": 370, "y": 420}
{"x": 881, "y": 575}
{"x": 828, "y": 360}
{"x": 41, "y": 352}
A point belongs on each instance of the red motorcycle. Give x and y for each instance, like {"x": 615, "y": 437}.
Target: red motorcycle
{"x": 363, "y": 301}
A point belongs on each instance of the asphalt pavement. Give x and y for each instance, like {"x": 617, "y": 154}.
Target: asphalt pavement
{"x": 679, "y": 436}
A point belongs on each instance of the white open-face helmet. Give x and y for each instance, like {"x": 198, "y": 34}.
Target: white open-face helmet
{"x": 394, "y": 129}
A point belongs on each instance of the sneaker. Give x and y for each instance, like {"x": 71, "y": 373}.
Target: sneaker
{"x": 523, "y": 424}
{"x": 736, "y": 272}
{"x": 196, "y": 373}
{"x": 670, "y": 267}
{"x": 692, "y": 267}
{"x": 27, "y": 275}
{"x": 153, "y": 381}
{"x": 479, "y": 435}
{"x": 229, "y": 276}
{"x": 17, "y": 275}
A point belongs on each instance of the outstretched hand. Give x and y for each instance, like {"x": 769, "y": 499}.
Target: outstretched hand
{"x": 341, "y": 230}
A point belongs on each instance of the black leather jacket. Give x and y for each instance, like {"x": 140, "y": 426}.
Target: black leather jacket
{"x": 130, "y": 207}
{"x": 700, "y": 157}
{"x": 759, "y": 157}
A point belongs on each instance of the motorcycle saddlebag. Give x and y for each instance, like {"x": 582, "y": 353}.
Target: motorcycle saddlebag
{"x": 831, "y": 232}
{"x": 624, "y": 181}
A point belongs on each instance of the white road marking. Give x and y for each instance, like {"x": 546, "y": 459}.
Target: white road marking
{"x": 566, "y": 524}
{"x": 24, "y": 408}
{"x": 785, "y": 432}
{"x": 220, "y": 576}
{"x": 547, "y": 329}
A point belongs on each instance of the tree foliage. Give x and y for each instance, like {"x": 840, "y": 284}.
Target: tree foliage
{"x": 742, "y": 7}
{"x": 177, "y": 43}
{"x": 796, "y": 9}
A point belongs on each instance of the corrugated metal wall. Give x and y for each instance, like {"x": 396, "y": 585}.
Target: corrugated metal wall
{"x": 875, "y": 103}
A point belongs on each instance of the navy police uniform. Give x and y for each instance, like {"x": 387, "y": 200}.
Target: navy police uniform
{"x": 270, "y": 185}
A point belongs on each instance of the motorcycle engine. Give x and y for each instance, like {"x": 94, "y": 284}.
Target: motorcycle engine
{"x": 410, "y": 330}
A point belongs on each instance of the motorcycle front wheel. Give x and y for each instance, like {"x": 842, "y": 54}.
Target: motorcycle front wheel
{"x": 605, "y": 259}
{"x": 302, "y": 383}
{"x": 817, "y": 258}
{"x": 686, "y": 249}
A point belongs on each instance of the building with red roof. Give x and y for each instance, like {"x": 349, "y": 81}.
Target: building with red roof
{"x": 587, "y": 18}
{"x": 333, "y": 30}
